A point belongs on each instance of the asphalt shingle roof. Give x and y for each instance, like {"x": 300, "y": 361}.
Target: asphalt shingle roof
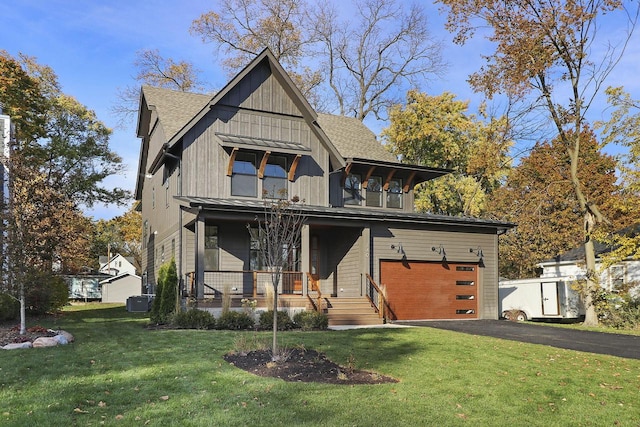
{"x": 174, "y": 108}
{"x": 349, "y": 135}
{"x": 353, "y": 139}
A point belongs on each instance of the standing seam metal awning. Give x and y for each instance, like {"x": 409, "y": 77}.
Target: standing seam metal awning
{"x": 262, "y": 144}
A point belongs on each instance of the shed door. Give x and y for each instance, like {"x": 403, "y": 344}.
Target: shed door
{"x": 550, "y": 298}
{"x": 430, "y": 290}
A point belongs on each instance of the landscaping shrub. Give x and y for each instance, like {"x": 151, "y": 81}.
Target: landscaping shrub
{"x": 9, "y": 307}
{"x": 620, "y": 310}
{"x": 169, "y": 300}
{"x": 265, "y": 321}
{"x": 194, "y": 319}
{"x": 311, "y": 320}
{"x": 235, "y": 320}
{"x": 165, "y": 301}
{"x": 46, "y": 293}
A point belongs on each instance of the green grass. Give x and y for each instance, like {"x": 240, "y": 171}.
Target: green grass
{"x": 118, "y": 373}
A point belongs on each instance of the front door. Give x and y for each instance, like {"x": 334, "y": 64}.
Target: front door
{"x": 550, "y": 298}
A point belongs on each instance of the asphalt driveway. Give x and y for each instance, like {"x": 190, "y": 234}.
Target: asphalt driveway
{"x": 536, "y": 333}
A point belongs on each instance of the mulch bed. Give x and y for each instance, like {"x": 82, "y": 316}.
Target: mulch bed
{"x": 10, "y": 333}
{"x": 302, "y": 365}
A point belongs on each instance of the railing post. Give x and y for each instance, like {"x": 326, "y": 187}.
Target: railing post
{"x": 255, "y": 284}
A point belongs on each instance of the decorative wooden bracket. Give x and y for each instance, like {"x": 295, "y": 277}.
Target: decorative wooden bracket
{"x": 294, "y": 166}
{"x": 263, "y": 164}
{"x": 365, "y": 181}
{"x": 347, "y": 171}
{"x": 389, "y": 176}
{"x": 232, "y": 158}
{"x": 409, "y": 183}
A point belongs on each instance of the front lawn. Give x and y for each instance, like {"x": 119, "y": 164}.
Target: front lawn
{"x": 119, "y": 373}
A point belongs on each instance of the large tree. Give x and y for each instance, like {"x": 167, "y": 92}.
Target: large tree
{"x": 56, "y": 163}
{"x": 546, "y": 49}
{"x": 373, "y": 54}
{"x": 537, "y": 197}
{"x": 623, "y": 128}
{"x": 122, "y": 234}
{"x": 155, "y": 70}
{"x": 360, "y": 60}
{"x": 438, "y": 131}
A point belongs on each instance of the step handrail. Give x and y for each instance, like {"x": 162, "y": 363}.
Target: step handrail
{"x": 381, "y": 306}
{"x": 317, "y": 305}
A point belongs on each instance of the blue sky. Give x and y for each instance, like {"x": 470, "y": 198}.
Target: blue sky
{"x": 91, "y": 45}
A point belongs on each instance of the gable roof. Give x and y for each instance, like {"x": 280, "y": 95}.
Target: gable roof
{"x": 174, "y": 108}
{"x": 353, "y": 139}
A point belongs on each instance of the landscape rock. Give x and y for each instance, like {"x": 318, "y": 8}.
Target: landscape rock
{"x": 45, "y": 342}
{"x": 67, "y": 335}
{"x": 18, "y": 345}
{"x": 62, "y": 340}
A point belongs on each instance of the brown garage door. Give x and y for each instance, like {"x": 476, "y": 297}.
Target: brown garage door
{"x": 430, "y": 290}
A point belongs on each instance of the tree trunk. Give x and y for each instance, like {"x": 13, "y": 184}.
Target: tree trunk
{"x": 274, "y": 344}
{"x": 591, "y": 317}
{"x": 23, "y": 310}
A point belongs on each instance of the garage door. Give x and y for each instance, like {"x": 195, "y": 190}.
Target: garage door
{"x": 428, "y": 290}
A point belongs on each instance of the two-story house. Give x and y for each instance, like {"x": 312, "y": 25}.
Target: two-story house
{"x": 207, "y": 162}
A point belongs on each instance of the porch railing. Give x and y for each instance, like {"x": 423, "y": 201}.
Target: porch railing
{"x": 247, "y": 284}
{"x": 376, "y": 297}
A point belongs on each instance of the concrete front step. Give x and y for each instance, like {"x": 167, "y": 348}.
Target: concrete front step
{"x": 351, "y": 311}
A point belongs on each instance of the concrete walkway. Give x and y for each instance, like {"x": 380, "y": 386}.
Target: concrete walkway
{"x": 537, "y": 333}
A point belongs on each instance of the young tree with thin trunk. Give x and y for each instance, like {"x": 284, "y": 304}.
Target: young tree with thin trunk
{"x": 547, "y": 49}
{"x": 279, "y": 233}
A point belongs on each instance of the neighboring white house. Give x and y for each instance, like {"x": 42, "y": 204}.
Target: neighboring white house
{"x": 117, "y": 265}
{"x": 570, "y": 265}
{"x": 551, "y": 295}
{"x": 120, "y": 287}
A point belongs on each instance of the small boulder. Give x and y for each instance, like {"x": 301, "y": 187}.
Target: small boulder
{"x": 45, "y": 342}
{"x": 18, "y": 345}
{"x": 62, "y": 340}
{"x": 67, "y": 335}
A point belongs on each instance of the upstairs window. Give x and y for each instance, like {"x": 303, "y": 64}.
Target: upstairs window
{"x": 394, "y": 194}
{"x": 274, "y": 184}
{"x": 374, "y": 191}
{"x": 244, "y": 179}
{"x": 352, "y": 190}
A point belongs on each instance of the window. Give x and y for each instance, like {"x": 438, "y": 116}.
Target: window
{"x": 145, "y": 233}
{"x": 374, "y": 191}
{"x": 255, "y": 257}
{"x": 394, "y": 194}
{"x": 616, "y": 277}
{"x": 291, "y": 258}
{"x": 274, "y": 184}
{"x": 352, "y": 188}
{"x": 210, "y": 248}
{"x": 244, "y": 179}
